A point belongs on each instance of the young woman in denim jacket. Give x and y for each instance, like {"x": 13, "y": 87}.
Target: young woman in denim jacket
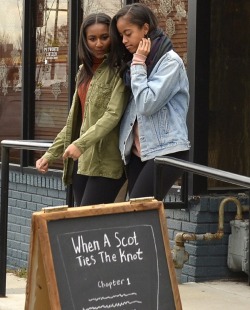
{"x": 89, "y": 142}
{"x": 154, "y": 123}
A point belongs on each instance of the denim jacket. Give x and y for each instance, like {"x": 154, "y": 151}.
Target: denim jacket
{"x": 160, "y": 104}
{"x": 96, "y": 136}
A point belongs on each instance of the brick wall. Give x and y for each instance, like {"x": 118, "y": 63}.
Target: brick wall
{"x": 28, "y": 192}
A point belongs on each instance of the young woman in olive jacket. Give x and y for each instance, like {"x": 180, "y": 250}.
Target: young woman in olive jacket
{"x": 89, "y": 141}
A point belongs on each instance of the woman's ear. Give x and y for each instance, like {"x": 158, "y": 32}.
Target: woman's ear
{"x": 146, "y": 29}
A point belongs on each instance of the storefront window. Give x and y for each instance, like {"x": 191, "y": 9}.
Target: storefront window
{"x": 10, "y": 71}
{"x": 51, "y": 101}
{"x": 109, "y": 7}
{"x": 51, "y": 68}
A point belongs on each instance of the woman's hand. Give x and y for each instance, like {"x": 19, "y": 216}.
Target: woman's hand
{"x": 144, "y": 47}
{"x": 72, "y": 151}
{"x": 42, "y": 165}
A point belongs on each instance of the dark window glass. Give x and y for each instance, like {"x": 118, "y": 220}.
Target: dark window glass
{"x": 229, "y": 118}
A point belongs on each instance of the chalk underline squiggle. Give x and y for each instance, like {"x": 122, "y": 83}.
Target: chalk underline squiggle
{"x": 116, "y": 305}
{"x": 111, "y": 297}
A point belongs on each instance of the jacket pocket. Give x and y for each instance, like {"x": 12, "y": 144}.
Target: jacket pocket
{"x": 101, "y": 96}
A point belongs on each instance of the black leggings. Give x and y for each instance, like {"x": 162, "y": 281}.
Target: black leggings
{"x": 89, "y": 190}
{"x": 141, "y": 176}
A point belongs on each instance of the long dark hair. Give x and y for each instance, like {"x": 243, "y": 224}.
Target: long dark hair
{"x": 138, "y": 14}
{"x": 84, "y": 52}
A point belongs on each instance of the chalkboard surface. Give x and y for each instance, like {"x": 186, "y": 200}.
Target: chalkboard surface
{"x": 112, "y": 261}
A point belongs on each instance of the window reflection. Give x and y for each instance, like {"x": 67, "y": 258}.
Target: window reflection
{"x": 110, "y": 7}
{"x": 51, "y": 106}
{"x": 10, "y": 71}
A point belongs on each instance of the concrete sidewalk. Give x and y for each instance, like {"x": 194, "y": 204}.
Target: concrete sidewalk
{"x": 15, "y": 293}
{"x": 214, "y": 295}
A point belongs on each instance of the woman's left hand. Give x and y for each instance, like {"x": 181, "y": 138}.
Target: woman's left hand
{"x": 144, "y": 47}
{"x": 72, "y": 151}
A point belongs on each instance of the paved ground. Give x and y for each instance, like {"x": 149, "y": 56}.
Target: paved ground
{"x": 15, "y": 291}
{"x": 216, "y": 295}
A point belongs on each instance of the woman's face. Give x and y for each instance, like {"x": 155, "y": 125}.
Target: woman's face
{"x": 131, "y": 34}
{"x": 98, "y": 40}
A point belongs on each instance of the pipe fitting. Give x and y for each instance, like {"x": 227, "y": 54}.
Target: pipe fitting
{"x": 180, "y": 238}
{"x": 180, "y": 256}
{"x": 221, "y": 211}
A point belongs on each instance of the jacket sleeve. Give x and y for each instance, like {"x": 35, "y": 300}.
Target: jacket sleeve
{"x": 110, "y": 118}
{"x": 152, "y": 93}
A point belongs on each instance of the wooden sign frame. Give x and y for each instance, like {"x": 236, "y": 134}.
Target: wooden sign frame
{"x": 42, "y": 287}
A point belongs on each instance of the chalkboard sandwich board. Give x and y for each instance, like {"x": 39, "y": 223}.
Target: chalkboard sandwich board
{"x": 113, "y": 256}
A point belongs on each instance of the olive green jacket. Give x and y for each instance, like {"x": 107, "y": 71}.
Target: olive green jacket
{"x": 97, "y": 135}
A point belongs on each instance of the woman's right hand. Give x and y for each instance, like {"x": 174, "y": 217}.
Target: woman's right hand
{"x": 42, "y": 165}
{"x": 144, "y": 47}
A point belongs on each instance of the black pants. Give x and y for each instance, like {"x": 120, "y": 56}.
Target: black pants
{"x": 95, "y": 190}
{"x": 141, "y": 176}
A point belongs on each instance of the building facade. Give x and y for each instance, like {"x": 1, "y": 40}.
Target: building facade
{"x": 38, "y": 62}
